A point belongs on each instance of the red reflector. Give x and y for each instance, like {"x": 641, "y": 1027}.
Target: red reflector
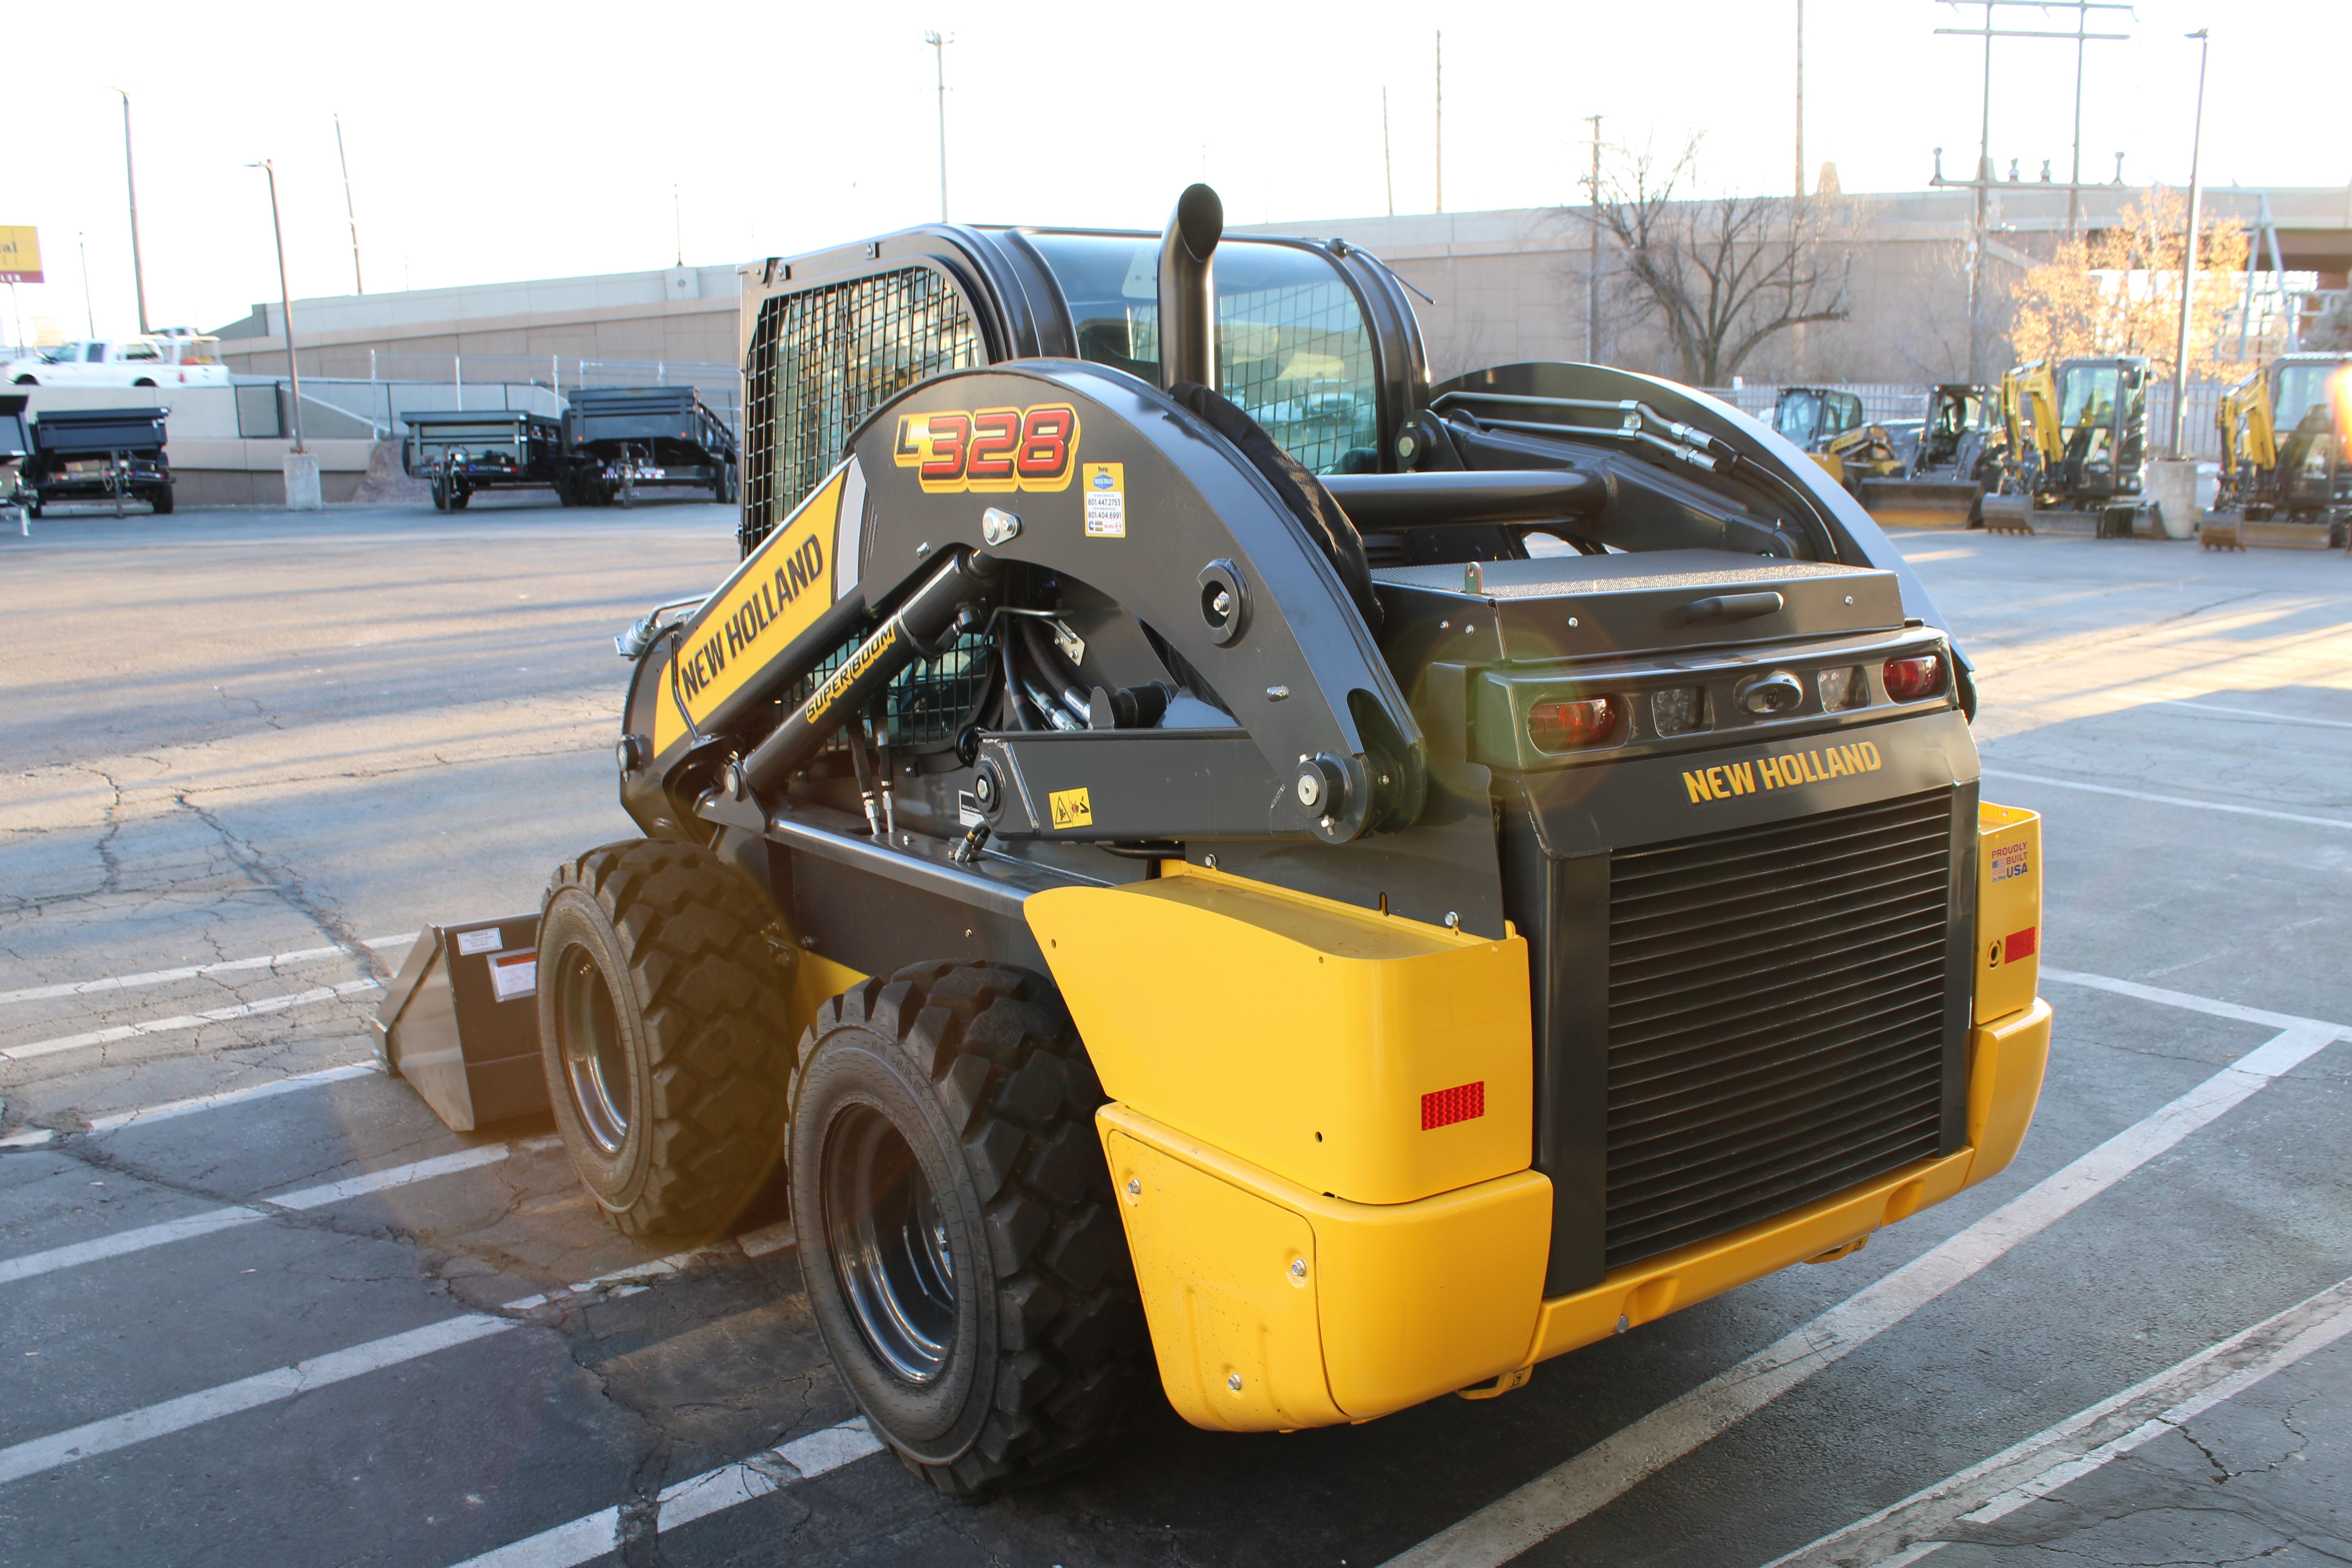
{"x": 2021, "y": 944}
{"x": 1909, "y": 679}
{"x": 1448, "y": 1106}
{"x": 1566, "y": 726}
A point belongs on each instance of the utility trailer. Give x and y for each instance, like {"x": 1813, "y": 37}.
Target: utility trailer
{"x": 1195, "y": 851}
{"x": 15, "y": 446}
{"x": 91, "y": 454}
{"x": 459, "y": 452}
{"x": 618, "y": 440}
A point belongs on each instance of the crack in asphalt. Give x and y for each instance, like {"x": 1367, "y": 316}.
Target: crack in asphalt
{"x": 289, "y": 885}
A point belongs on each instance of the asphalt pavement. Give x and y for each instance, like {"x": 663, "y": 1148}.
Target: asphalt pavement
{"x": 258, "y": 1307}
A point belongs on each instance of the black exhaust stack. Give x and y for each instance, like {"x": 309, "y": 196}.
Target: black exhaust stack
{"x": 1188, "y": 292}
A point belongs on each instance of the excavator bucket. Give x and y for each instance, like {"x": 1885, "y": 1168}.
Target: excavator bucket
{"x": 2008, "y": 514}
{"x": 1921, "y": 503}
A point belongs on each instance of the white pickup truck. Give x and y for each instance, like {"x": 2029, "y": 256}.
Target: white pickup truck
{"x": 164, "y": 360}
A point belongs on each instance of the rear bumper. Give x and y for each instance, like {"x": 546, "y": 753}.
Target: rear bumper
{"x": 1273, "y": 1306}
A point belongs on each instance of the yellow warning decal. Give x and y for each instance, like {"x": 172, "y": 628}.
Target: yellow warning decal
{"x": 990, "y": 449}
{"x": 776, "y": 594}
{"x": 1072, "y": 808}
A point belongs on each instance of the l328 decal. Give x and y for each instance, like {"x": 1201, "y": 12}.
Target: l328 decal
{"x": 990, "y": 449}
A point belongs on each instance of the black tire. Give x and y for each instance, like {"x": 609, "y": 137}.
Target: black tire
{"x": 663, "y": 1030}
{"x": 160, "y": 498}
{"x": 458, "y": 496}
{"x": 959, "y": 1092}
{"x": 29, "y": 381}
{"x": 440, "y": 495}
{"x": 143, "y": 381}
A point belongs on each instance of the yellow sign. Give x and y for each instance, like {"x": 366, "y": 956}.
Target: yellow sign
{"x": 775, "y": 597}
{"x": 20, "y": 254}
{"x": 990, "y": 449}
{"x": 1817, "y": 767}
{"x": 1072, "y": 808}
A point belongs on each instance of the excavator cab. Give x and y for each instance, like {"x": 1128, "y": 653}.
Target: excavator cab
{"x": 2311, "y": 401}
{"x": 2102, "y": 422}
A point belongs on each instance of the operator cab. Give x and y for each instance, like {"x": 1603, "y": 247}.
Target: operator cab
{"x": 2102, "y": 421}
{"x": 1811, "y": 416}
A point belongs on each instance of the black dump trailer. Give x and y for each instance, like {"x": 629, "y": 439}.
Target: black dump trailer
{"x": 81, "y": 454}
{"x": 15, "y": 446}
{"x": 461, "y": 451}
{"x": 621, "y": 439}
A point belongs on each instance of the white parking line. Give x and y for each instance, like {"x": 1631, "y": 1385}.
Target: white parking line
{"x": 39, "y": 1454}
{"x": 96, "y": 1437}
{"x": 598, "y": 1535}
{"x": 184, "y": 1021}
{"x": 2254, "y": 713}
{"x": 2017, "y": 1475}
{"x": 2169, "y": 799}
{"x": 36, "y": 1137}
{"x": 191, "y": 1226}
{"x": 2193, "y": 1003}
{"x": 1553, "y": 1501}
{"x": 194, "y": 971}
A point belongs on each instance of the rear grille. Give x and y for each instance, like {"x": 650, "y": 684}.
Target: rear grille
{"x": 1776, "y": 1016}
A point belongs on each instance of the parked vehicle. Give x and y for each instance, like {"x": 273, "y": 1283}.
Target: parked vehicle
{"x": 459, "y": 452}
{"x": 91, "y": 454}
{"x": 163, "y": 359}
{"x": 618, "y": 440}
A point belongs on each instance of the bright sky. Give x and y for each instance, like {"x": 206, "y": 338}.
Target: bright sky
{"x": 493, "y": 141}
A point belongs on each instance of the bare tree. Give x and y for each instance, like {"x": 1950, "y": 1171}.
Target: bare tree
{"x": 1720, "y": 273}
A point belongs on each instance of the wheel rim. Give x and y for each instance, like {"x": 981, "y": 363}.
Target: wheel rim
{"x": 596, "y": 1055}
{"x": 890, "y": 1248}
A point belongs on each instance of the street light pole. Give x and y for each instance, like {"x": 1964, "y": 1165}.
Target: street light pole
{"x": 2188, "y": 259}
{"x": 130, "y": 179}
{"x": 359, "y": 283}
{"x": 939, "y": 42}
{"x": 285, "y": 301}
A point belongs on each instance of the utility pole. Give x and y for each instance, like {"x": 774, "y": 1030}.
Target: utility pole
{"x": 1440, "y": 120}
{"x": 359, "y": 284}
{"x": 1797, "y": 210}
{"x": 2188, "y": 259}
{"x": 1800, "y": 100}
{"x": 1592, "y": 261}
{"x": 2074, "y": 180}
{"x": 1984, "y": 183}
{"x": 130, "y": 179}
{"x": 88, "y": 311}
{"x": 285, "y": 300}
{"x": 678, "y": 221}
{"x": 939, "y": 43}
{"x": 1388, "y": 163}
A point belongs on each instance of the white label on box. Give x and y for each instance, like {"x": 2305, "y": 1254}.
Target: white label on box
{"x": 1105, "y": 492}
{"x": 515, "y": 975}
{"x": 470, "y": 942}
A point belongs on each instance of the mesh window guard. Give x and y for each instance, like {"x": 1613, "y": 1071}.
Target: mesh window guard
{"x": 822, "y": 359}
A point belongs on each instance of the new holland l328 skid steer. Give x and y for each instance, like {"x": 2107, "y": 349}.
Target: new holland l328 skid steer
{"x": 1189, "y": 847}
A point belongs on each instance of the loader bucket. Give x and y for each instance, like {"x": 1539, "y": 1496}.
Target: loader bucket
{"x": 1920, "y": 503}
{"x": 461, "y": 1022}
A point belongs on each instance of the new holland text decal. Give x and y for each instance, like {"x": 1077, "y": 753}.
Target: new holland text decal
{"x": 1783, "y": 772}
{"x": 990, "y": 449}
{"x": 776, "y": 594}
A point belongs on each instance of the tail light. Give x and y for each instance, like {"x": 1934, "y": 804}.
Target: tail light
{"x": 1842, "y": 688}
{"x": 1571, "y": 726}
{"x": 1679, "y": 709}
{"x": 1909, "y": 679}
